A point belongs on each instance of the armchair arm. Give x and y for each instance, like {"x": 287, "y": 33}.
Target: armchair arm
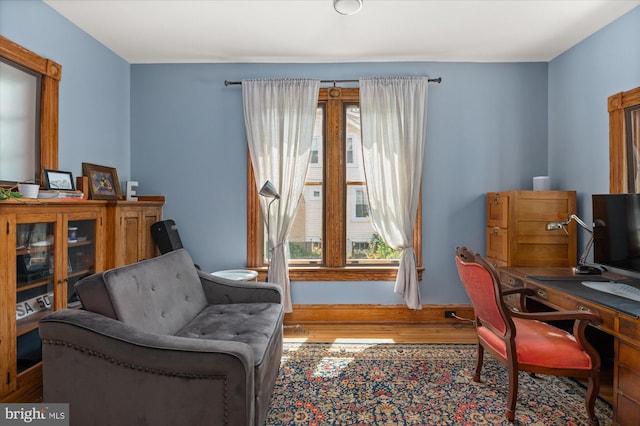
{"x": 101, "y": 365}
{"x": 523, "y": 292}
{"x": 220, "y": 290}
{"x": 587, "y": 316}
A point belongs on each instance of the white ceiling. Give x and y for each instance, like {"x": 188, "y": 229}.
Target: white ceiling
{"x": 186, "y": 31}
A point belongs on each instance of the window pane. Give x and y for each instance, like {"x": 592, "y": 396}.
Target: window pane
{"x": 19, "y": 158}
{"x": 363, "y": 243}
{"x": 314, "y": 150}
{"x": 362, "y": 206}
{"x": 349, "y": 150}
{"x": 305, "y": 239}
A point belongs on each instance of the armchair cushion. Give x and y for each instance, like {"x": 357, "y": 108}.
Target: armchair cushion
{"x": 159, "y": 295}
{"x": 94, "y": 296}
{"x": 255, "y": 324}
{"x": 541, "y": 344}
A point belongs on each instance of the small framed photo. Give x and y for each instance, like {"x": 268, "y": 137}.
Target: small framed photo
{"x": 103, "y": 182}
{"x": 57, "y": 179}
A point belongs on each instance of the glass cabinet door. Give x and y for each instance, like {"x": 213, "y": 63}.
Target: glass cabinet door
{"x": 81, "y": 247}
{"x": 46, "y": 248}
{"x": 35, "y": 251}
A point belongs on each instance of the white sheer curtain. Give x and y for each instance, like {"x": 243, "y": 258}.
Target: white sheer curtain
{"x": 394, "y": 119}
{"x": 279, "y": 118}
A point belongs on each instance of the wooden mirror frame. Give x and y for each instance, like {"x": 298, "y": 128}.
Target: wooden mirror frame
{"x": 50, "y": 73}
{"x": 618, "y": 170}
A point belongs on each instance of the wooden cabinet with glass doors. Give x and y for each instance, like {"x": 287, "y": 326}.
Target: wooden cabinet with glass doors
{"x": 44, "y": 251}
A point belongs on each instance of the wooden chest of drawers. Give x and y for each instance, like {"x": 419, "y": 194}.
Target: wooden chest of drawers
{"x": 517, "y": 228}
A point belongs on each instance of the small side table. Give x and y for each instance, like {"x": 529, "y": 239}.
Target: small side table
{"x": 237, "y": 274}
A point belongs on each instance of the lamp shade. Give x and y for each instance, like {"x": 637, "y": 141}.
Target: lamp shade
{"x": 269, "y": 191}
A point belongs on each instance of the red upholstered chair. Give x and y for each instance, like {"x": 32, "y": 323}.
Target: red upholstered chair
{"x": 521, "y": 340}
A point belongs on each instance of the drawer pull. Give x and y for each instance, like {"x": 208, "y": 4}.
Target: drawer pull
{"x": 584, "y": 308}
{"x": 511, "y": 280}
{"x": 541, "y": 293}
{"x": 495, "y": 231}
{"x": 495, "y": 201}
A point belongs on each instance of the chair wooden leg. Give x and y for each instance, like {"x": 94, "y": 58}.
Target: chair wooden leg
{"x": 512, "y": 396}
{"x": 479, "y": 361}
{"x": 592, "y": 393}
{"x": 510, "y": 415}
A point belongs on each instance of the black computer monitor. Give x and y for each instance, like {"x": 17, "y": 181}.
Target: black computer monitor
{"x": 616, "y": 232}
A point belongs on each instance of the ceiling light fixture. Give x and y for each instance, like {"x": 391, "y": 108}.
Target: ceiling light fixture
{"x": 347, "y": 7}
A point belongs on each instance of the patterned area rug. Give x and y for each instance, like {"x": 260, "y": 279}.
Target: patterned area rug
{"x": 414, "y": 384}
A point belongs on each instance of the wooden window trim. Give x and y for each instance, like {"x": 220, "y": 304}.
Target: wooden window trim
{"x": 618, "y": 177}
{"x": 51, "y": 73}
{"x": 335, "y": 267}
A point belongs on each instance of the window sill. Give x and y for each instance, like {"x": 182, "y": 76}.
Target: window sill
{"x": 347, "y": 273}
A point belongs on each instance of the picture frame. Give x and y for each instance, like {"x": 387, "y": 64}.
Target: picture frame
{"x": 103, "y": 182}
{"x": 58, "y": 180}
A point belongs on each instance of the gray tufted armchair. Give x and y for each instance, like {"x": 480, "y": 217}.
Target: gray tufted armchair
{"x": 161, "y": 343}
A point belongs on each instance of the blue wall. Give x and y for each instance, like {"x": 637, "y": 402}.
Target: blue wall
{"x": 487, "y": 131}
{"x": 180, "y": 132}
{"x": 580, "y": 81}
{"x": 94, "y": 121}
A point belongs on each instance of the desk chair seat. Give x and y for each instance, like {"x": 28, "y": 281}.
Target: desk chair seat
{"x": 522, "y": 341}
{"x": 539, "y": 344}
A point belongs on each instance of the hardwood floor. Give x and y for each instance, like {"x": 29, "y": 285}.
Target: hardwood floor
{"x": 398, "y": 333}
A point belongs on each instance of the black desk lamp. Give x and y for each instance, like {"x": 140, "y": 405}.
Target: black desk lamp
{"x": 582, "y": 267}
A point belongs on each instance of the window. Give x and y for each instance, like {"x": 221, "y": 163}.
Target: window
{"x": 624, "y": 141}
{"x": 45, "y": 152}
{"x": 349, "y": 150}
{"x": 314, "y": 151}
{"x": 19, "y": 156}
{"x": 359, "y": 249}
{"x": 332, "y": 237}
{"x": 361, "y": 207}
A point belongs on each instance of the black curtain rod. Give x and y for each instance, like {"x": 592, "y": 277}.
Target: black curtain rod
{"x": 431, "y": 80}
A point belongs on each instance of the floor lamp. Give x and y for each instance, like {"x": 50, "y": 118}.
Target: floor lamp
{"x": 269, "y": 191}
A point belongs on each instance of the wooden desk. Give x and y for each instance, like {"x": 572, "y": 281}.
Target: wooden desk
{"x": 624, "y": 327}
